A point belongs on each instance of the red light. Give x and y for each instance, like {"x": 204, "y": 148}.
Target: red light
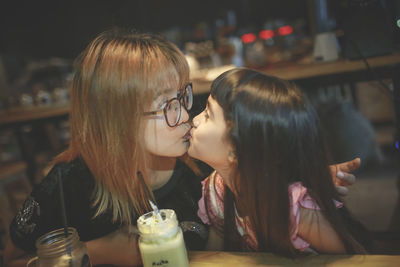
{"x": 285, "y": 30}
{"x": 248, "y": 38}
{"x": 266, "y": 34}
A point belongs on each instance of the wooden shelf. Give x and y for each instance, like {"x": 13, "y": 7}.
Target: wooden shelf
{"x": 385, "y": 135}
{"x": 298, "y": 71}
{"x": 22, "y": 114}
{"x": 11, "y": 168}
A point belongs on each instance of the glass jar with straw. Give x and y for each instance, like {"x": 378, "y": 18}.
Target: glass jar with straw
{"x": 56, "y": 249}
{"x": 161, "y": 240}
{"x": 61, "y": 247}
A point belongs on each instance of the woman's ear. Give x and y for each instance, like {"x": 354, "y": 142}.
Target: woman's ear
{"x": 232, "y": 157}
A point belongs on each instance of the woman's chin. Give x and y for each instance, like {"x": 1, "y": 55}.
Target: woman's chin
{"x": 172, "y": 153}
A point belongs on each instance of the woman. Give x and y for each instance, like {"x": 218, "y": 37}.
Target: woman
{"x": 129, "y": 101}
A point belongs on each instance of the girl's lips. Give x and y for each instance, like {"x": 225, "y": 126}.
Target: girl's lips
{"x": 191, "y": 132}
{"x": 187, "y": 135}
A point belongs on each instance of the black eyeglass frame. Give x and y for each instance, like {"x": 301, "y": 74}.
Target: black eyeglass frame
{"x": 181, "y": 102}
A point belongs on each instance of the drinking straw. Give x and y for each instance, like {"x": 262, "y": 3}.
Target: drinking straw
{"x": 64, "y": 214}
{"x": 155, "y": 208}
{"x": 62, "y": 202}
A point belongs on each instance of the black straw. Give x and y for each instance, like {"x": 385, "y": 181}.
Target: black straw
{"x": 64, "y": 213}
{"x": 146, "y": 189}
{"x": 62, "y": 202}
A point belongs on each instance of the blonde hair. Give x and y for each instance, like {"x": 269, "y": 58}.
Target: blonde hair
{"x": 116, "y": 78}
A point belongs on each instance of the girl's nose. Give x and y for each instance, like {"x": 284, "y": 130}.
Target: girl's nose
{"x": 196, "y": 121}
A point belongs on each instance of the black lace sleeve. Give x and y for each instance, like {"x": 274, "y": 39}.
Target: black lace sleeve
{"x": 41, "y": 211}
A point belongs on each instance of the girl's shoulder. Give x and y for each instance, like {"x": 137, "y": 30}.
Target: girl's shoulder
{"x": 300, "y": 199}
{"x": 299, "y": 196}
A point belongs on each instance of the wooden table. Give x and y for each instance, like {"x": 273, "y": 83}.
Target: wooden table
{"x": 250, "y": 259}
{"x": 229, "y": 259}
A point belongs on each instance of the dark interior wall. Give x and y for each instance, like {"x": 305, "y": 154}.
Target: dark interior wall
{"x": 53, "y": 28}
{"x": 44, "y": 28}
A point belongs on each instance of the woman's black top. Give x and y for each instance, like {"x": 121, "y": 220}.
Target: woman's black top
{"x": 41, "y": 212}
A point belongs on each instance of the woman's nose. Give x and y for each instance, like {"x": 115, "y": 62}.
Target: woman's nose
{"x": 184, "y": 115}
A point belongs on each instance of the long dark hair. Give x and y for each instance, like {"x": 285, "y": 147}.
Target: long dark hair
{"x": 276, "y": 136}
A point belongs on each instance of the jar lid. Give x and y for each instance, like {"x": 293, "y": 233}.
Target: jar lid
{"x": 151, "y": 223}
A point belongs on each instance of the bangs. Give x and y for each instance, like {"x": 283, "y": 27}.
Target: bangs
{"x": 159, "y": 72}
{"x": 162, "y": 78}
{"x": 223, "y": 86}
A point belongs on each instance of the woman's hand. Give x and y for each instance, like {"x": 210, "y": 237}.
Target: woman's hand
{"x": 118, "y": 248}
{"x": 341, "y": 176}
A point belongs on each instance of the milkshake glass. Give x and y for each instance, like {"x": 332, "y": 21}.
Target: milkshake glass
{"x": 161, "y": 240}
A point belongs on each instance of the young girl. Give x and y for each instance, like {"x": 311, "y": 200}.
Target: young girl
{"x": 271, "y": 189}
{"x": 129, "y": 100}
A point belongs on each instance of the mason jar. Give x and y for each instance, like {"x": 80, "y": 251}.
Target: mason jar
{"x": 161, "y": 240}
{"x": 58, "y": 250}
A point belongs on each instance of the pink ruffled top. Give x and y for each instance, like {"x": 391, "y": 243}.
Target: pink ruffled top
{"x": 214, "y": 188}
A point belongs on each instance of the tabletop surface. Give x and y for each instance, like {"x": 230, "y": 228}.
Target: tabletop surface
{"x": 225, "y": 259}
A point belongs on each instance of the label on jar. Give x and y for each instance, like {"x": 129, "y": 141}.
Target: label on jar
{"x": 170, "y": 253}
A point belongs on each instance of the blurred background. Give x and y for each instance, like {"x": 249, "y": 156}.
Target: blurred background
{"x": 344, "y": 54}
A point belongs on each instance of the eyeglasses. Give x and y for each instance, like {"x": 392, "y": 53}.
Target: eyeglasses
{"x": 172, "y": 109}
